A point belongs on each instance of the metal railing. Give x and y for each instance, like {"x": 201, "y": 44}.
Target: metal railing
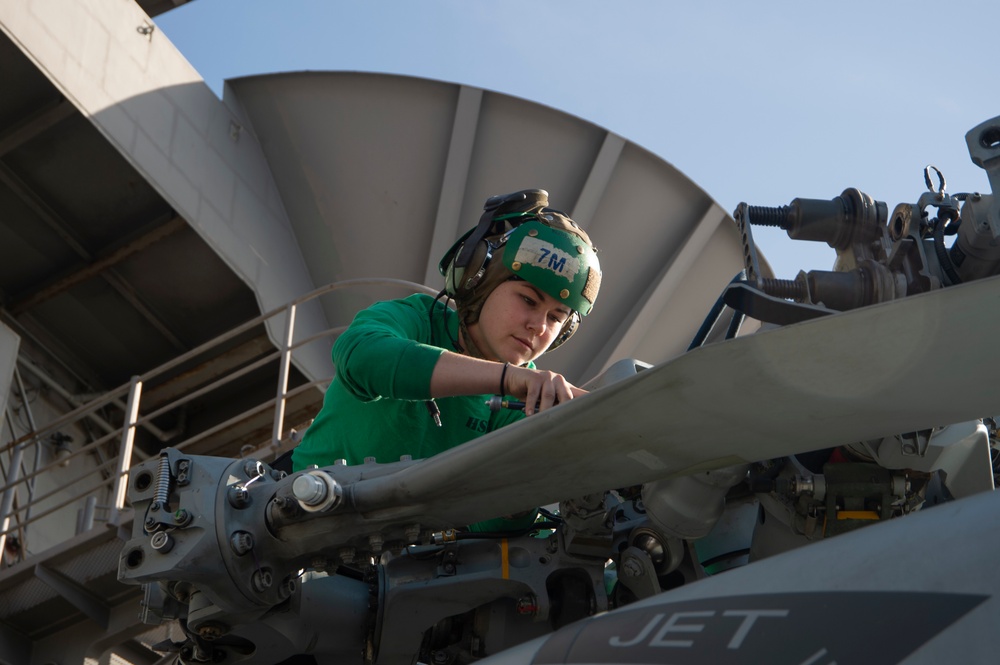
{"x": 110, "y": 476}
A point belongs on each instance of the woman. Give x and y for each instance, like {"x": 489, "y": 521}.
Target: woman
{"x": 413, "y": 376}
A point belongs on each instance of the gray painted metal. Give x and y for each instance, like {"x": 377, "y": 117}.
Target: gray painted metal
{"x": 380, "y": 174}
{"x": 101, "y": 278}
{"x": 777, "y": 393}
{"x": 370, "y": 175}
{"x": 897, "y": 561}
{"x": 783, "y": 391}
{"x": 185, "y": 145}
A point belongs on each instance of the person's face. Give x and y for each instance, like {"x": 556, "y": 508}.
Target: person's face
{"x": 518, "y": 322}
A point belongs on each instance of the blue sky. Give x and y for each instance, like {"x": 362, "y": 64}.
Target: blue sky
{"x": 754, "y": 101}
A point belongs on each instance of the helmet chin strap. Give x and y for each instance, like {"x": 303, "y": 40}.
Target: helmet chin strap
{"x": 465, "y": 340}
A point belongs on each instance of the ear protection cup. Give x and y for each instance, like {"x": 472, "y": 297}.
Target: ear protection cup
{"x": 461, "y": 280}
{"x": 568, "y": 329}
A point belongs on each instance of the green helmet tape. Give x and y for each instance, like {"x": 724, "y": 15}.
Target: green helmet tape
{"x": 558, "y": 262}
{"x": 543, "y": 254}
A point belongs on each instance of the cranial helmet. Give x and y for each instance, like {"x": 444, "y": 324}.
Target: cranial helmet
{"x": 519, "y": 237}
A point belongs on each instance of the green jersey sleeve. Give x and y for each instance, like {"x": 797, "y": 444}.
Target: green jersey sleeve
{"x": 377, "y": 356}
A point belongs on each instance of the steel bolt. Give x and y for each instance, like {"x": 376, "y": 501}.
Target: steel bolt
{"x": 776, "y": 216}
{"x": 309, "y": 489}
{"x": 785, "y": 288}
{"x": 261, "y": 580}
{"x": 241, "y": 542}
{"x": 183, "y": 466}
{"x": 631, "y": 568}
{"x": 210, "y": 631}
{"x": 239, "y": 496}
{"x": 182, "y": 517}
{"x": 161, "y": 542}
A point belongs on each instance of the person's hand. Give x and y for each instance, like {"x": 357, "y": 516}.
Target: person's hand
{"x": 539, "y": 387}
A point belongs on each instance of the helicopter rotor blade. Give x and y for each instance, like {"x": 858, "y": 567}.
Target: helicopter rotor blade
{"x": 896, "y": 367}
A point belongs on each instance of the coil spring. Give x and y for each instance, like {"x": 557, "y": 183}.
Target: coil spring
{"x": 163, "y": 481}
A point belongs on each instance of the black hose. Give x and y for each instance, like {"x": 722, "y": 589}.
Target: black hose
{"x": 714, "y": 314}
{"x": 942, "y": 254}
{"x": 735, "y": 324}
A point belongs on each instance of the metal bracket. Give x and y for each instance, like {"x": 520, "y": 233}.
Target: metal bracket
{"x": 750, "y": 261}
{"x": 758, "y": 305}
{"x": 637, "y": 572}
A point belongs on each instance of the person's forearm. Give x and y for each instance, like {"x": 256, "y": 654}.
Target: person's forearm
{"x": 455, "y": 374}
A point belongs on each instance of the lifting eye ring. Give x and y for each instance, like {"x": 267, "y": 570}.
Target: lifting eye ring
{"x": 942, "y": 185}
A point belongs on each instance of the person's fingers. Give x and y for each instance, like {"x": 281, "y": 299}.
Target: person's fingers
{"x": 547, "y": 394}
{"x": 532, "y": 397}
{"x": 540, "y": 389}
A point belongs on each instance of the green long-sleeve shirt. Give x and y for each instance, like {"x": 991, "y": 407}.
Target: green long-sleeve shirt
{"x": 376, "y": 404}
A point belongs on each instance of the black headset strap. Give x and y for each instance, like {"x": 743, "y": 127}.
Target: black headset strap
{"x": 486, "y": 227}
